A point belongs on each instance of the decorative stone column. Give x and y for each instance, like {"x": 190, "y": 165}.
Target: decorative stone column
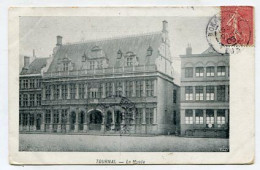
{"x": 103, "y": 90}
{"x": 113, "y": 120}
{"x": 194, "y": 92}
{"x": 60, "y": 95}
{"x": 215, "y": 118}
{"x": 28, "y": 122}
{"x": 59, "y": 123}
{"x": 85, "y": 126}
{"x": 193, "y": 117}
{"x": 204, "y": 117}
{"x": 68, "y": 122}
{"x": 226, "y": 117}
{"x": 134, "y": 87}
{"x": 52, "y": 93}
{"x": 226, "y": 93}
{"x": 155, "y": 115}
{"x": 34, "y": 122}
{"x": 103, "y": 124}
{"x": 144, "y": 121}
{"x": 21, "y": 125}
{"x": 144, "y": 88}
{"x": 68, "y": 88}
{"x": 113, "y": 88}
{"x": 204, "y": 93}
{"x": 86, "y": 91}
{"x": 123, "y": 88}
{"x": 215, "y": 93}
{"x": 155, "y": 87}
{"x": 123, "y": 120}
{"x": 51, "y": 123}
{"x": 76, "y": 129}
{"x": 77, "y": 91}
{"x": 43, "y": 122}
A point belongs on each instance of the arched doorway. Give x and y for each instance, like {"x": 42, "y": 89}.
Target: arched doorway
{"x": 81, "y": 120}
{"x": 118, "y": 119}
{"x": 72, "y": 120}
{"x": 109, "y": 120}
{"x": 95, "y": 120}
{"x": 38, "y": 121}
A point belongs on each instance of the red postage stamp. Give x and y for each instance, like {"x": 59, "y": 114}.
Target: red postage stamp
{"x": 237, "y": 25}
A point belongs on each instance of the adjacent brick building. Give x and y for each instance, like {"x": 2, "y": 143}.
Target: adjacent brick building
{"x": 204, "y": 96}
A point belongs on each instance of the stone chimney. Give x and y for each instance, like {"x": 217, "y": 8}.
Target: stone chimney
{"x": 165, "y": 26}
{"x": 26, "y": 61}
{"x": 34, "y": 56}
{"x": 59, "y": 40}
{"x": 189, "y": 50}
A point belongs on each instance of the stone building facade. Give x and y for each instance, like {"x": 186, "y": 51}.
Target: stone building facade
{"x": 116, "y": 85}
{"x": 204, "y": 108}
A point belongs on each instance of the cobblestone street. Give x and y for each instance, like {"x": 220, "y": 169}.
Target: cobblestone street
{"x": 91, "y": 143}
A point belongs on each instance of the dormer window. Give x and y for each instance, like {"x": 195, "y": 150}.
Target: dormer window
{"x": 84, "y": 57}
{"x": 99, "y": 64}
{"x": 149, "y": 51}
{"x": 129, "y": 61}
{"x": 92, "y": 65}
{"x": 65, "y": 66}
{"x": 119, "y": 54}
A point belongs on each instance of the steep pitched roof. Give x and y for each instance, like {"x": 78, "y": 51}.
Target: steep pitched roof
{"x": 35, "y": 67}
{"x": 138, "y": 44}
{"x": 210, "y": 50}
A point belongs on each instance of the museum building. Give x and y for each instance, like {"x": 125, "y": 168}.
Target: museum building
{"x": 204, "y": 108}
{"x": 117, "y": 85}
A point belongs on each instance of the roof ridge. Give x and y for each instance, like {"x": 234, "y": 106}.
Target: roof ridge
{"x": 113, "y": 38}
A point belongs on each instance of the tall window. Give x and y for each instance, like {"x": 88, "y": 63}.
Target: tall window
{"x": 149, "y": 115}
{"x": 210, "y": 116}
{"x": 31, "y": 119}
{"x": 25, "y": 84}
{"x": 129, "y": 88}
{"x": 221, "y": 70}
{"x": 221, "y": 93}
{"x": 139, "y": 88}
{"x": 48, "y": 92}
{"x": 99, "y": 64}
{"x": 210, "y": 93}
{"x": 149, "y": 87}
{"x": 65, "y": 66}
{"x": 210, "y": 71}
{"x": 221, "y": 117}
{"x": 188, "y": 72}
{"x": 174, "y": 117}
{"x": 199, "y": 92}
{"x": 100, "y": 91}
{"x": 129, "y": 61}
{"x": 31, "y": 99}
{"x": 56, "y": 116}
{"x": 92, "y": 65}
{"x": 38, "y": 83}
{"x": 81, "y": 91}
{"x": 138, "y": 117}
{"x": 118, "y": 88}
{"x": 199, "y": 71}
{"x": 48, "y": 116}
{"x": 188, "y": 116}
{"x": 25, "y": 119}
{"x": 32, "y": 83}
{"x": 20, "y": 100}
{"x": 25, "y": 100}
{"x": 174, "y": 96}
{"x": 188, "y": 93}
{"x": 64, "y": 91}
{"x": 56, "y": 89}
{"x": 199, "y": 116}
{"x": 72, "y": 91}
{"x": 38, "y": 99}
{"x": 109, "y": 88}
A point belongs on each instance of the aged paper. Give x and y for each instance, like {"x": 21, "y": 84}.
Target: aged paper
{"x": 150, "y": 85}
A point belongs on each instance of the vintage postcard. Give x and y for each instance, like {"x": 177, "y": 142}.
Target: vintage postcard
{"x": 118, "y": 85}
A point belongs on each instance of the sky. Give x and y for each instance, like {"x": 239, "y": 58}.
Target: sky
{"x": 39, "y": 33}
